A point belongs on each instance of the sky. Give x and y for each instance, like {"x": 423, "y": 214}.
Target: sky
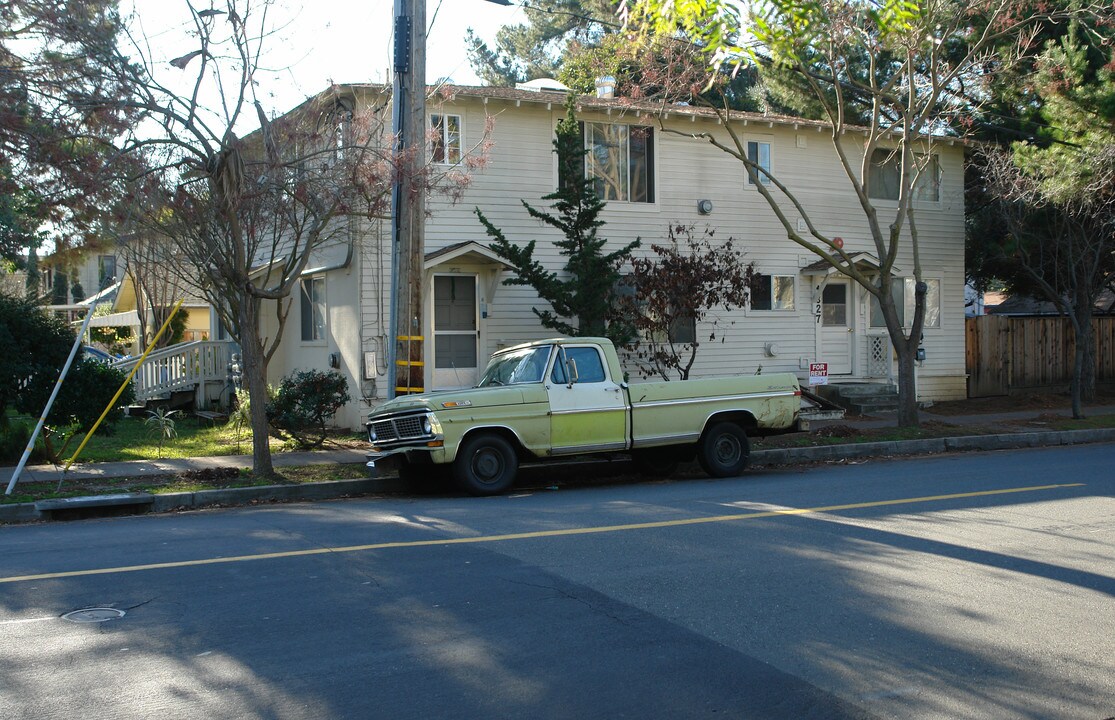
{"x": 323, "y": 41}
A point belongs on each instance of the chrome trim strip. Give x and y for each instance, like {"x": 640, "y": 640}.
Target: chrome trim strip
{"x": 723, "y": 398}
{"x": 575, "y": 449}
{"x": 687, "y": 437}
{"x": 583, "y": 411}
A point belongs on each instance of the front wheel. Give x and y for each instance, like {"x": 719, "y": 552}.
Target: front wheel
{"x": 485, "y": 465}
{"x": 724, "y": 450}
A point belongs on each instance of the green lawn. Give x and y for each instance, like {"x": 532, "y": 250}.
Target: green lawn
{"x": 131, "y": 439}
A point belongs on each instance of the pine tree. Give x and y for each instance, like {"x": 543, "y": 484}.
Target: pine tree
{"x": 582, "y": 301}
{"x": 33, "y": 281}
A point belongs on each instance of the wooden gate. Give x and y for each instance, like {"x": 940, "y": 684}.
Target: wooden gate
{"x": 1007, "y": 354}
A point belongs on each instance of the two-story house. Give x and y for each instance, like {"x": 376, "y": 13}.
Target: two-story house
{"x": 654, "y": 173}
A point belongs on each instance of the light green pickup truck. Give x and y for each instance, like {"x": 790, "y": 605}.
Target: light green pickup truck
{"x": 563, "y": 397}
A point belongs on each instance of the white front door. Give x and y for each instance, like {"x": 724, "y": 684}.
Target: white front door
{"x": 589, "y": 414}
{"x": 455, "y": 332}
{"x": 837, "y": 324}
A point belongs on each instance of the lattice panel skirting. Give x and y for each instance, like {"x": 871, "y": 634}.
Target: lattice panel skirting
{"x": 878, "y": 356}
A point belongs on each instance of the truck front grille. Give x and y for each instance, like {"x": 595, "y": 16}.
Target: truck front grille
{"x": 401, "y": 428}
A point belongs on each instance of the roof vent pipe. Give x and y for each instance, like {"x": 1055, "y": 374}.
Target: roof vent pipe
{"x": 606, "y": 87}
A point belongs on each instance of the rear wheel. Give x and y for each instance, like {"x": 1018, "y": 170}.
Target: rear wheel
{"x": 724, "y": 450}
{"x": 486, "y": 465}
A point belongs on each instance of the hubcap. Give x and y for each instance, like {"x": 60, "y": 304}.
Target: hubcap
{"x": 488, "y": 465}
{"x": 727, "y": 449}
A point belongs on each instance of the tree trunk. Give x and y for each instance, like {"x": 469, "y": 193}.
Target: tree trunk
{"x": 1084, "y": 359}
{"x": 1086, "y": 352}
{"x": 907, "y": 384}
{"x": 255, "y": 377}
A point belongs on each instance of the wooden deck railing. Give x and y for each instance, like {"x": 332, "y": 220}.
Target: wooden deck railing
{"x": 179, "y": 367}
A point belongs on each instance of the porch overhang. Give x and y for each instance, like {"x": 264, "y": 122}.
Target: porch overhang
{"x": 862, "y": 261}
{"x": 128, "y": 318}
{"x": 469, "y": 251}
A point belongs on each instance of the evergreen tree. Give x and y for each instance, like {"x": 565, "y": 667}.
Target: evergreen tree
{"x": 59, "y": 288}
{"x": 33, "y": 280}
{"x": 536, "y": 49}
{"x": 583, "y": 301}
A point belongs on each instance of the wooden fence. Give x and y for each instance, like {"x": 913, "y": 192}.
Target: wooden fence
{"x": 1014, "y": 354}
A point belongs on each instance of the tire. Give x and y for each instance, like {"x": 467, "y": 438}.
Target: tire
{"x": 724, "y": 450}
{"x": 486, "y": 465}
{"x": 656, "y": 462}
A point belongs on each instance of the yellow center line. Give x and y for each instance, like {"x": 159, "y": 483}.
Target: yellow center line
{"x": 533, "y": 535}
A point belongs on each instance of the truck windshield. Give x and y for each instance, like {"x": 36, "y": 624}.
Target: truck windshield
{"x": 527, "y": 365}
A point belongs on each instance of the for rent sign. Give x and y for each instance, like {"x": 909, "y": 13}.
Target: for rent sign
{"x": 818, "y": 373}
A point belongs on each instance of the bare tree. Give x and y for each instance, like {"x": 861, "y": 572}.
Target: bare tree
{"x": 154, "y": 264}
{"x": 678, "y": 290}
{"x": 908, "y": 68}
{"x": 1062, "y": 245}
{"x": 246, "y": 214}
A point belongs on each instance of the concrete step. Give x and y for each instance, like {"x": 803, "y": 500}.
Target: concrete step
{"x": 862, "y": 398}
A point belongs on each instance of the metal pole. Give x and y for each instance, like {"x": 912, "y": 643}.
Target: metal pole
{"x": 50, "y": 402}
{"x": 150, "y": 347}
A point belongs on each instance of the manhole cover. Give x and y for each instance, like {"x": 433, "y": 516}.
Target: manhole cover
{"x": 93, "y": 615}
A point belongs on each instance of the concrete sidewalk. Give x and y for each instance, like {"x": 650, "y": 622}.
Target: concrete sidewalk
{"x": 141, "y": 468}
{"x": 1012, "y": 436}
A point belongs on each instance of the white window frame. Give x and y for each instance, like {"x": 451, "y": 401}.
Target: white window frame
{"x": 104, "y": 279}
{"x": 759, "y": 144}
{"x": 774, "y": 307}
{"x": 906, "y": 300}
{"x": 651, "y": 159}
{"x": 449, "y": 143}
{"x": 317, "y": 306}
{"x": 927, "y": 184}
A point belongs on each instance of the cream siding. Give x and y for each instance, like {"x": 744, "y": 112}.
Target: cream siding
{"x": 522, "y": 167}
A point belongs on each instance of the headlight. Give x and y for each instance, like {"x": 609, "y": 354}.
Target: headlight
{"x": 372, "y": 433}
{"x": 427, "y": 426}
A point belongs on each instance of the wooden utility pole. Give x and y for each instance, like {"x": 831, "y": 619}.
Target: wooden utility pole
{"x": 409, "y": 202}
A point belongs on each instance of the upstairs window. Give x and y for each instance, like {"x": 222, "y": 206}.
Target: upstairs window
{"x": 886, "y": 172}
{"x": 759, "y": 154}
{"x": 445, "y": 146}
{"x": 106, "y": 271}
{"x": 620, "y": 161}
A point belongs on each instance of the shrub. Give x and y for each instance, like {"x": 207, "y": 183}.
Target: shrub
{"x": 306, "y": 401}
{"x": 85, "y": 394}
{"x": 13, "y": 441}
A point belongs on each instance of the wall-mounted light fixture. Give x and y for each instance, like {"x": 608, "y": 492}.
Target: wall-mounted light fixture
{"x": 704, "y": 207}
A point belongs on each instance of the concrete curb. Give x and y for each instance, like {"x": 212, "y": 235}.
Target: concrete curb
{"x": 27, "y": 512}
{"x": 931, "y": 446}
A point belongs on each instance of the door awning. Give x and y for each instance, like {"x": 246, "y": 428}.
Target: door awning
{"x": 469, "y": 252}
{"x": 863, "y": 261}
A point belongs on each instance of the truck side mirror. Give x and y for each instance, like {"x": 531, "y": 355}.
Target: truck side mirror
{"x": 571, "y": 364}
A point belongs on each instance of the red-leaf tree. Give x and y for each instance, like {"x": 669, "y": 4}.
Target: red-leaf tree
{"x": 678, "y": 293}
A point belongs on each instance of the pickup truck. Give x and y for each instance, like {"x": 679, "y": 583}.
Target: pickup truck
{"x": 567, "y": 396}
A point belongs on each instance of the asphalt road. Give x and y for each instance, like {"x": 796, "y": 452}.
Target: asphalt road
{"x": 965, "y": 586}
